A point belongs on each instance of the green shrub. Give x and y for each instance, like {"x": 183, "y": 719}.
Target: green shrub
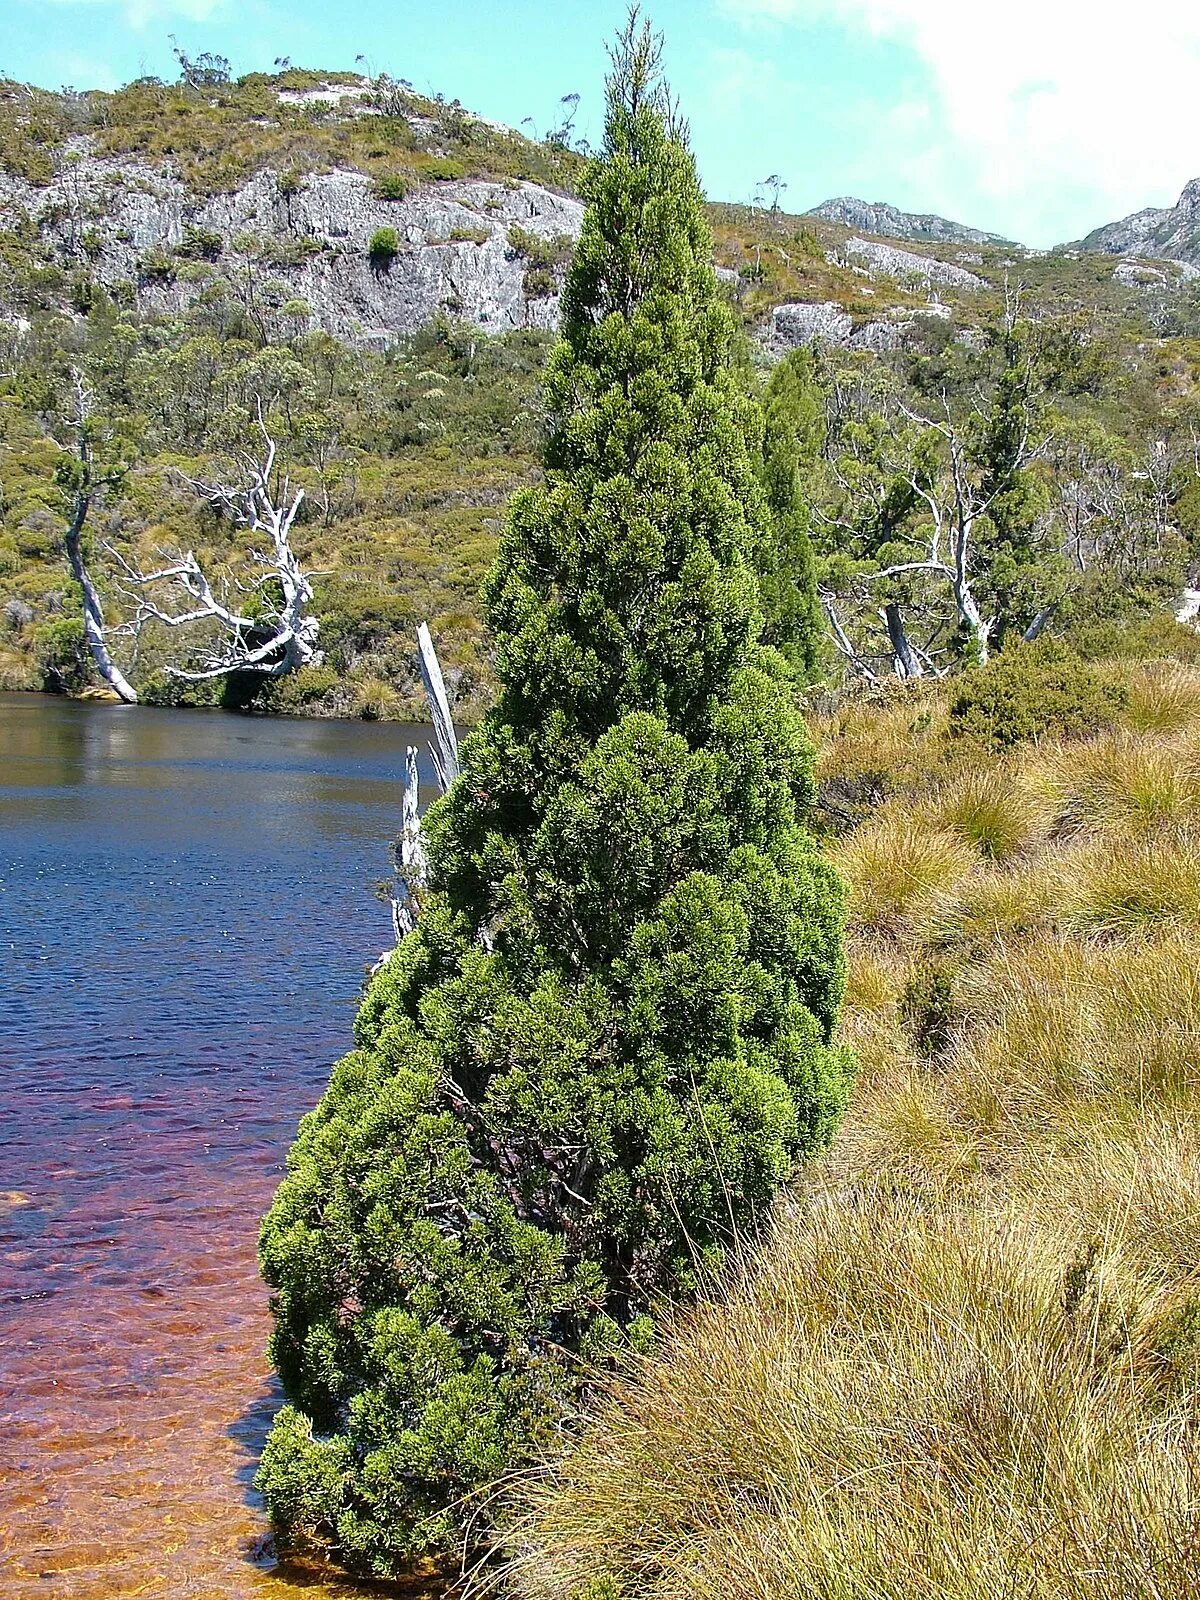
{"x": 156, "y": 266}
{"x": 303, "y": 687}
{"x": 608, "y": 1040}
{"x": 199, "y": 244}
{"x": 391, "y": 186}
{"x": 161, "y": 689}
{"x": 1034, "y": 691}
{"x": 61, "y": 653}
{"x": 443, "y": 169}
{"x": 1143, "y": 640}
{"x": 383, "y": 248}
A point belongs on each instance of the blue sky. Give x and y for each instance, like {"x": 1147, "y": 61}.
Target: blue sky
{"x": 1038, "y": 119}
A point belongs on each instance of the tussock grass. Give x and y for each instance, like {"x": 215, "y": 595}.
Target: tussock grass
{"x": 898, "y": 1401}
{"x": 897, "y": 866}
{"x": 1164, "y": 697}
{"x": 1124, "y": 885}
{"x": 995, "y": 808}
{"x": 967, "y": 1363}
{"x": 1125, "y": 784}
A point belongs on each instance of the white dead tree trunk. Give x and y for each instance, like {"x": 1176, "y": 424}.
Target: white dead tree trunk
{"x": 280, "y": 635}
{"x": 409, "y": 851}
{"x": 90, "y": 484}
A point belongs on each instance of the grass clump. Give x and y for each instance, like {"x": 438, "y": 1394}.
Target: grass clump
{"x": 967, "y": 1363}
{"x": 897, "y": 867}
{"x": 992, "y": 808}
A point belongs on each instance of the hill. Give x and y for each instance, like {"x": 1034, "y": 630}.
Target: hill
{"x": 380, "y": 272}
{"x": 889, "y": 222}
{"x": 1170, "y": 232}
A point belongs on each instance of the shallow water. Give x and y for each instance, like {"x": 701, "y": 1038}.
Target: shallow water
{"x": 186, "y": 910}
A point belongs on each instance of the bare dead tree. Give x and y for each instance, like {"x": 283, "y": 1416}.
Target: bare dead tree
{"x": 408, "y": 854}
{"x": 90, "y": 483}
{"x": 276, "y": 636}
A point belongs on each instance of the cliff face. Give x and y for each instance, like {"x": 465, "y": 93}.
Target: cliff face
{"x": 1171, "y": 232}
{"x": 457, "y": 250}
{"x": 889, "y": 222}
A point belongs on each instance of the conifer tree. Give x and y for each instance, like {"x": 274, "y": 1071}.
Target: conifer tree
{"x": 794, "y": 430}
{"x": 608, "y": 1040}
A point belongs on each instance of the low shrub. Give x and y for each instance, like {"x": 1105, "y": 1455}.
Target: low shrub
{"x": 61, "y": 655}
{"x": 1030, "y": 692}
{"x": 161, "y": 689}
{"x": 304, "y": 687}
{"x": 390, "y": 186}
{"x": 382, "y": 248}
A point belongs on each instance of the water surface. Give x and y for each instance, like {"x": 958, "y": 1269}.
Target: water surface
{"x": 186, "y": 910}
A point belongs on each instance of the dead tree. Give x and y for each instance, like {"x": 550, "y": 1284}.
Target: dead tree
{"x": 89, "y": 484}
{"x": 279, "y": 634}
{"x": 408, "y": 853}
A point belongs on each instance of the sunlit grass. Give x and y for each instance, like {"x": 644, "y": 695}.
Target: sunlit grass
{"x": 966, "y": 1365}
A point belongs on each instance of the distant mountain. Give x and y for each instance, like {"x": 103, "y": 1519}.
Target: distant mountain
{"x": 876, "y": 216}
{"x": 1172, "y": 233}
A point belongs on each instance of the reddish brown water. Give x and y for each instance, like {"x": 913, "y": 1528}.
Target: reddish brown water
{"x": 186, "y": 907}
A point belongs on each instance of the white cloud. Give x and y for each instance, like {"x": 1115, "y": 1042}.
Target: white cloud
{"x": 1043, "y": 105}
{"x": 137, "y": 13}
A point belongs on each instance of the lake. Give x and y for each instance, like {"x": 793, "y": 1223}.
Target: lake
{"x": 187, "y": 908}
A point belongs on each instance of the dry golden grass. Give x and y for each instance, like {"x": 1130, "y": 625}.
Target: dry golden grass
{"x": 1125, "y": 885}
{"x": 897, "y": 865}
{"x": 1164, "y": 697}
{"x": 1125, "y": 784}
{"x": 967, "y": 1364}
{"x": 995, "y": 808}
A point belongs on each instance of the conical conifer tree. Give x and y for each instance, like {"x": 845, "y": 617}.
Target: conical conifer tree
{"x": 609, "y": 1039}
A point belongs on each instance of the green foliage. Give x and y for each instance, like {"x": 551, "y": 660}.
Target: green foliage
{"x": 1034, "y": 691}
{"x": 391, "y": 186}
{"x": 927, "y": 1006}
{"x": 200, "y": 244}
{"x": 793, "y": 435}
{"x": 544, "y": 259}
{"x": 60, "y": 651}
{"x": 609, "y": 1038}
{"x": 383, "y": 248}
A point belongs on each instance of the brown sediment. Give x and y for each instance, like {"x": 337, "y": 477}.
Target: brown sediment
{"x": 132, "y": 1418}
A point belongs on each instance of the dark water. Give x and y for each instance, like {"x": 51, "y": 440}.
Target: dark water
{"x": 186, "y": 910}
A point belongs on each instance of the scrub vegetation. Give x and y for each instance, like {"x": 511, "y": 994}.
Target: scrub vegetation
{"x": 966, "y": 1363}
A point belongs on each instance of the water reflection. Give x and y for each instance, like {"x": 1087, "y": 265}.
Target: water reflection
{"x": 186, "y": 908}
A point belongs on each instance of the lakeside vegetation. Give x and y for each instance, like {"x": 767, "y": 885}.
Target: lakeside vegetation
{"x": 966, "y": 1364}
{"x": 839, "y": 736}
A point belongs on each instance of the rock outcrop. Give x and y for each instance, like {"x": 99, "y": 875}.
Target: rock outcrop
{"x": 886, "y": 260}
{"x": 308, "y": 244}
{"x": 826, "y": 322}
{"x": 1171, "y": 232}
{"x": 876, "y": 216}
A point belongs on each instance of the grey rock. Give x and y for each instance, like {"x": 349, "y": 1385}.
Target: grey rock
{"x": 877, "y": 216}
{"x": 886, "y": 259}
{"x": 826, "y": 322}
{"x": 317, "y": 237}
{"x": 1171, "y": 232}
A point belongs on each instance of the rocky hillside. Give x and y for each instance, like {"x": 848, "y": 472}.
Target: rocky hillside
{"x": 382, "y": 272}
{"x": 889, "y": 222}
{"x": 1171, "y": 232}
